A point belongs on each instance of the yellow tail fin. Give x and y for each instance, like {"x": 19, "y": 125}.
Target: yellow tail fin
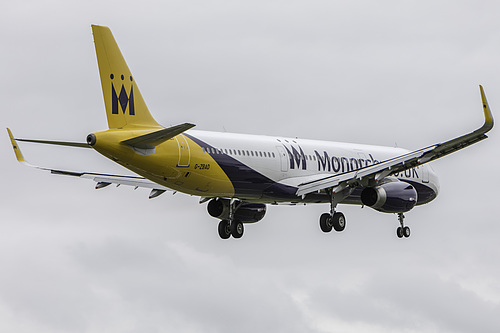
{"x": 125, "y": 107}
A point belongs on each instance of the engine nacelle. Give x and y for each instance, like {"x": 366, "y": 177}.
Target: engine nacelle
{"x": 391, "y": 197}
{"x": 246, "y": 212}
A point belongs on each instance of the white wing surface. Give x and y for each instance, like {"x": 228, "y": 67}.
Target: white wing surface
{"x": 370, "y": 175}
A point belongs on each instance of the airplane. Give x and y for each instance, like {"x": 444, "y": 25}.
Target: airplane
{"x": 240, "y": 174}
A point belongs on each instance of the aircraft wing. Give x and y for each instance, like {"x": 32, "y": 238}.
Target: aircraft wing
{"x": 373, "y": 173}
{"x": 102, "y": 180}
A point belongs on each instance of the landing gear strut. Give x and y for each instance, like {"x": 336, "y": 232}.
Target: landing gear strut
{"x": 402, "y": 231}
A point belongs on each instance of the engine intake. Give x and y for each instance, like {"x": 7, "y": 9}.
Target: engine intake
{"x": 246, "y": 212}
{"x": 391, "y": 197}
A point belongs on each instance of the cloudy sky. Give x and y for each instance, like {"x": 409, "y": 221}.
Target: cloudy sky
{"x": 402, "y": 73}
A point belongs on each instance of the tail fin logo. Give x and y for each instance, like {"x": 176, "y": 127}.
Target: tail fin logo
{"x": 123, "y": 100}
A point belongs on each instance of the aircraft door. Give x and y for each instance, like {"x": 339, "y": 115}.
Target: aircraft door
{"x": 184, "y": 152}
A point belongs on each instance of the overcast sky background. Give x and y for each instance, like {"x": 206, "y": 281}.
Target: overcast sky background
{"x": 389, "y": 73}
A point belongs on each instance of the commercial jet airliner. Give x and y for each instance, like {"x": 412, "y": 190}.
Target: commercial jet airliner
{"x": 239, "y": 174}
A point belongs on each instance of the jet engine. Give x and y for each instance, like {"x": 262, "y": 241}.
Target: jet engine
{"x": 391, "y": 197}
{"x": 245, "y": 212}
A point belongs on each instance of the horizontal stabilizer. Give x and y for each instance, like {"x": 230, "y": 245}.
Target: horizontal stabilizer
{"x": 101, "y": 179}
{"x": 150, "y": 140}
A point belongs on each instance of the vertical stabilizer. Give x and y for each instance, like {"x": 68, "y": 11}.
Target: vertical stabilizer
{"x": 125, "y": 106}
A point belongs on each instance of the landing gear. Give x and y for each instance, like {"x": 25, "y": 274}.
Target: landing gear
{"x": 227, "y": 229}
{"x": 335, "y": 220}
{"x": 328, "y": 222}
{"x": 224, "y": 229}
{"x": 325, "y": 222}
{"x": 237, "y": 229}
{"x": 231, "y": 227}
{"x": 402, "y": 231}
{"x": 338, "y": 221}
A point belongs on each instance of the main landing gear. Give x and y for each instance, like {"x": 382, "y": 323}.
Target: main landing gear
{"x": 327, "y": 221}
{"x": 402, "y": 231}
{"x": 335, "y": 220}
{"x": 230, "y": 226}
{"x": 228, "y": 229}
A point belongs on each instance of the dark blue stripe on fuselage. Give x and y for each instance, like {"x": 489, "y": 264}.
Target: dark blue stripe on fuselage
{"x": 247, "y": 182}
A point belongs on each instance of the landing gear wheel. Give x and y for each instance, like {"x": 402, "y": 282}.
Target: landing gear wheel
{"x": 406, "y": 232}
{"x": 325, "y": 222}
{"x": 237, "y": 229}
{"x": 338, "y": 221}
{"x": 399, "y": 232}
{"x": 224, "y": 229}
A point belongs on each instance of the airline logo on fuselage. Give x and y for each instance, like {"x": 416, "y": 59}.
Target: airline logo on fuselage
{"x": 336, "y": 164}
{"x": 124, "y": 100}
{"x": 297, "y": 158}
{"x": 342, "y": 163}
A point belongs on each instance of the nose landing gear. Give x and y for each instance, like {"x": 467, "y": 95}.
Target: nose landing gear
{"x": 402, "y": 231}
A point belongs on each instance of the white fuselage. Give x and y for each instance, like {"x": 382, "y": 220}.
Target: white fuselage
{"x": 249, "y": 160}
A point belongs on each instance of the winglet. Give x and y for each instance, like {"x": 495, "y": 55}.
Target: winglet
{"x": 15, "y": 146}
{"x": 488, "y": 117}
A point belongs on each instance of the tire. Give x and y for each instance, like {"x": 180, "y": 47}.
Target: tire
{"x": 237, "y": 229}
{"x": 399, "y": 232}
{"x": 406, "y": 232}
{"x": 224, "y": 230}
{"x": 338, "y": 221}
{"x": 325, "y": 222}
